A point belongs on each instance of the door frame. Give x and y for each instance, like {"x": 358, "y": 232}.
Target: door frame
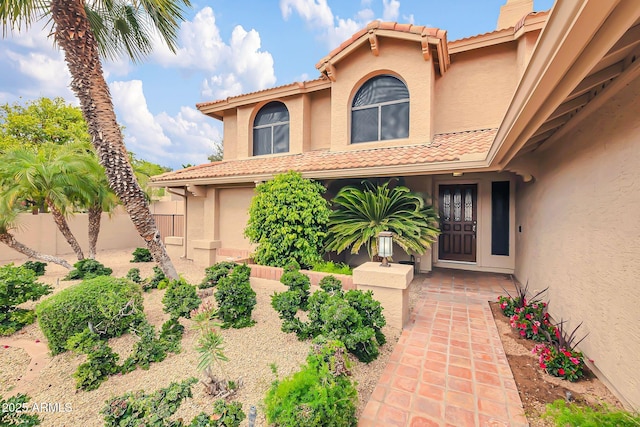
{"x": 478, "y": 184}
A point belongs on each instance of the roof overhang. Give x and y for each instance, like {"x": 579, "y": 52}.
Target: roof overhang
{"x": 586, "y": 53}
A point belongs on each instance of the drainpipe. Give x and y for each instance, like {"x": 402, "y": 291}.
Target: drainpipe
{"x": 184, "y": 225}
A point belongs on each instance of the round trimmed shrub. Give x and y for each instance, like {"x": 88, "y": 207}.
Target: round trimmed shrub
{"x": 108, "y": 305}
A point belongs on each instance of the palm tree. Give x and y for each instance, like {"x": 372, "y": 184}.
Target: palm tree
{"x": 85, "y": 31}
{"x": 361, "y": 214}
{"x": 8, "y": 218}
{"x": 51, "y": 173}
{"x": 102, "y": 200}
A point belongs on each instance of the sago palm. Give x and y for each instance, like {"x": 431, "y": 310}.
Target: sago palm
{"x": 87, "y": 30}
{"x": 361, "y": 214}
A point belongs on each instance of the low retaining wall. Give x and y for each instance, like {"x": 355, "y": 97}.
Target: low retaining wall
{"x": 274, "y": 273}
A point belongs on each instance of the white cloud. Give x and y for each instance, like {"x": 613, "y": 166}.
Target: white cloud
{"x": 391, "y": 10}
{"x": 316, "y": 13}
{"x": 168, "y": 140}
{"x": 230, "y": 68}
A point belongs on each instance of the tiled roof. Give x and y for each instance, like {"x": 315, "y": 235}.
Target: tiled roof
{"x": 419, "y": 30}
{"x": 446, "y": 147}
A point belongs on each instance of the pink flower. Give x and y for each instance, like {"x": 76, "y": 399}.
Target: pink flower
{"x": 574, "y": 360}
{"x": 522, "y": 332}
{"x": 534, "y": 306}
{"x": 528, "y": 316}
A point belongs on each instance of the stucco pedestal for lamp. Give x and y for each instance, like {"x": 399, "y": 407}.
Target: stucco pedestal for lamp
{"x": 390, "y": 286}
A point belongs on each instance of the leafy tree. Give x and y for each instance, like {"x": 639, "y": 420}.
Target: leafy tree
{"x": 218, "y": 152}
{"x": 40, "y": 121}
{"x": 85, "y": 31}
{"x": 144, "y": 170}
{"x": 288, "y": 220}
{"x": 362, "y": 214}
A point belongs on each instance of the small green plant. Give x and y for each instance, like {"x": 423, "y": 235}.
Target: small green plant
{"x": 224, "y": 415}
{"x": 154, "y": 409}
{"x": 158, "y": 280}
{"x": 558, "y": 357}
{"x": 332, "y": 267}
{"x": 297, "y": 282}
{"x": 101, "y": 362}
{"x": 565, "y": 414}
{"x": 330, "y": 284}
{"x": 141, "y": 255}
{"x": 109, "y": 305}
{"x": 134, "y": 275}
{"x": 320, "y": 394}
{"x": 180, "y": 299}
{"x": 214, "y": 273}
{"x": 211, "y": 349}
{"x": 88, "y": 269}
{"x": 18, "y": 285}
{"x": 509, "y": 303}
{"x": 148, "y": 349}
{"x": 203, "y": 316}
{"x": 12, "y": 412}
{"x": 236, "y": 299}
{"x": 37, "y": 267}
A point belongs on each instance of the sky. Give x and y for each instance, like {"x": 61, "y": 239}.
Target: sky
{"x": 225, "y": 48}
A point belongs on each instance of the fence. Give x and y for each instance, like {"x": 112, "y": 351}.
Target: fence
{"x": 170, "y": 225}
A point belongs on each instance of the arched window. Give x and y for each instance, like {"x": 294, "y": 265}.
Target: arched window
{"x": 380, "y": 110}
{"x": 271, "y": 129}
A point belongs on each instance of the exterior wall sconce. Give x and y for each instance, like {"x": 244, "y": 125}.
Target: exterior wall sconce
{"x": 385, "y": 247}
{"x": 457, "y": 174}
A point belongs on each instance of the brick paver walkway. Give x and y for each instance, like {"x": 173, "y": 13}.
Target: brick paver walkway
{"x": 448, "y": 367}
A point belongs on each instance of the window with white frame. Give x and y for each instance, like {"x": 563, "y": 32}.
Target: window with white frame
{"x": 271, "y": 129}
{"x": 380, "y": 110}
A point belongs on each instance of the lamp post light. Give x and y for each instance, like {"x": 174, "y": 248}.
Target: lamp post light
{"x": 385, "y": 247}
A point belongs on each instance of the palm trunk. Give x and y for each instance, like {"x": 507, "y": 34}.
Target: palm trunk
{"x": 73, "y": 34}
{"x": 63, "y": 226}
{"x": 9, "y": 240}
{"x": 94, "y": 216}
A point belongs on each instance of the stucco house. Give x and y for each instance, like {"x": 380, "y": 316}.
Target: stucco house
{"x": 527, "y": 137}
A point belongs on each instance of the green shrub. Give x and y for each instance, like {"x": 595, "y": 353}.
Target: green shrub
{"x": 148, "y": 349}
{"x": 158, "y": 280}
{"x": 18, "y": 285}
{"x": 565, "y": 414}
{"x": 36, "y": 266}
{"x": 142, "y": 409}
{"x": 141, "y": 255}
{"x": 214, "y": 273}
{"x": 134, "y": 275}
{"x": 320, "y": 394}
{"x": 288, "y": 220}
{"x": 332, "y": 267}
{"x": 101, "y": 362}
{"x": 109, "y": 304}
{"x": 12, "y": 412}
{"x": 236, "y": 299}
{"x": 171, "y": 335}
{"x": 225, "y": 415}
{"x": 330, "y": 284}
{"x": 88, "y": 269}
{"x": 299, "y": 283}
{"x": 370, "y": 312}
{"x": 180, "y": 299}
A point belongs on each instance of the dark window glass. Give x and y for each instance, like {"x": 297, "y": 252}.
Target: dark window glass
{"x": 500, "y": 218}
{"x": 380, "y": 110}
{"x": 271, "y": 129}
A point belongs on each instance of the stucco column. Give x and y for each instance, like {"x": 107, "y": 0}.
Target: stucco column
{"x": 390, "y": 286}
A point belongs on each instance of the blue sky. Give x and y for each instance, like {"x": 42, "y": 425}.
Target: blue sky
{"x": 225, "y": 48}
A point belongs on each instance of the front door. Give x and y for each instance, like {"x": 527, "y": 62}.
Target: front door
{"x": 458, "y": 220}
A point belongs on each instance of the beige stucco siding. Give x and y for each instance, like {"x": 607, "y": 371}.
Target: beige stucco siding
{"x": 230, "y": 140}
{"x": 477, "y": 89}
{"x": 234, "y": 214}
{"x": 581, "y": 237}
{"x": 319, "y": 121}
{"x": 399, "y": 58}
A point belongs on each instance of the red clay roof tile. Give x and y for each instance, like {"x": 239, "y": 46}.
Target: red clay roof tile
{"x": 446, "y": 147}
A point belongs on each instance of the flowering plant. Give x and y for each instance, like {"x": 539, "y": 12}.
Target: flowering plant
{"x": 531, "y": 321}
{"x": 510, "y": 303}
{"x": 560, "y": 362}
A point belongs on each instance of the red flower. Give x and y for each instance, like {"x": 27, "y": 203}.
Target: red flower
{"x": 543, "y": 366}
{"x": 522, "y": 332}
{"x": 561, "y": 371}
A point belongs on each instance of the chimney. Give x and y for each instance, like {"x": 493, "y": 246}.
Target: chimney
{"x": 512, "y": 12}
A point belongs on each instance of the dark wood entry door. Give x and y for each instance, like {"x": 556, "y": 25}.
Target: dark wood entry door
{"x": 458, "y": 222}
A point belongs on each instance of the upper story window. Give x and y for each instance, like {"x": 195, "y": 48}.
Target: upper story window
{"x": 380, "y": 110}
{"x": 271, "y": 129}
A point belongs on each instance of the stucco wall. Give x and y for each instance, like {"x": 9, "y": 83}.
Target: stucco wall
{"x": 475, "y": 92}
{"x": 234, "y": 214}
{"x": 320, "y": 121}
{"x": 230, "y": 140}
{"x": 402, "y": 59}
{"x": 40, "y": 233}
{"x": 581, "y": 237}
